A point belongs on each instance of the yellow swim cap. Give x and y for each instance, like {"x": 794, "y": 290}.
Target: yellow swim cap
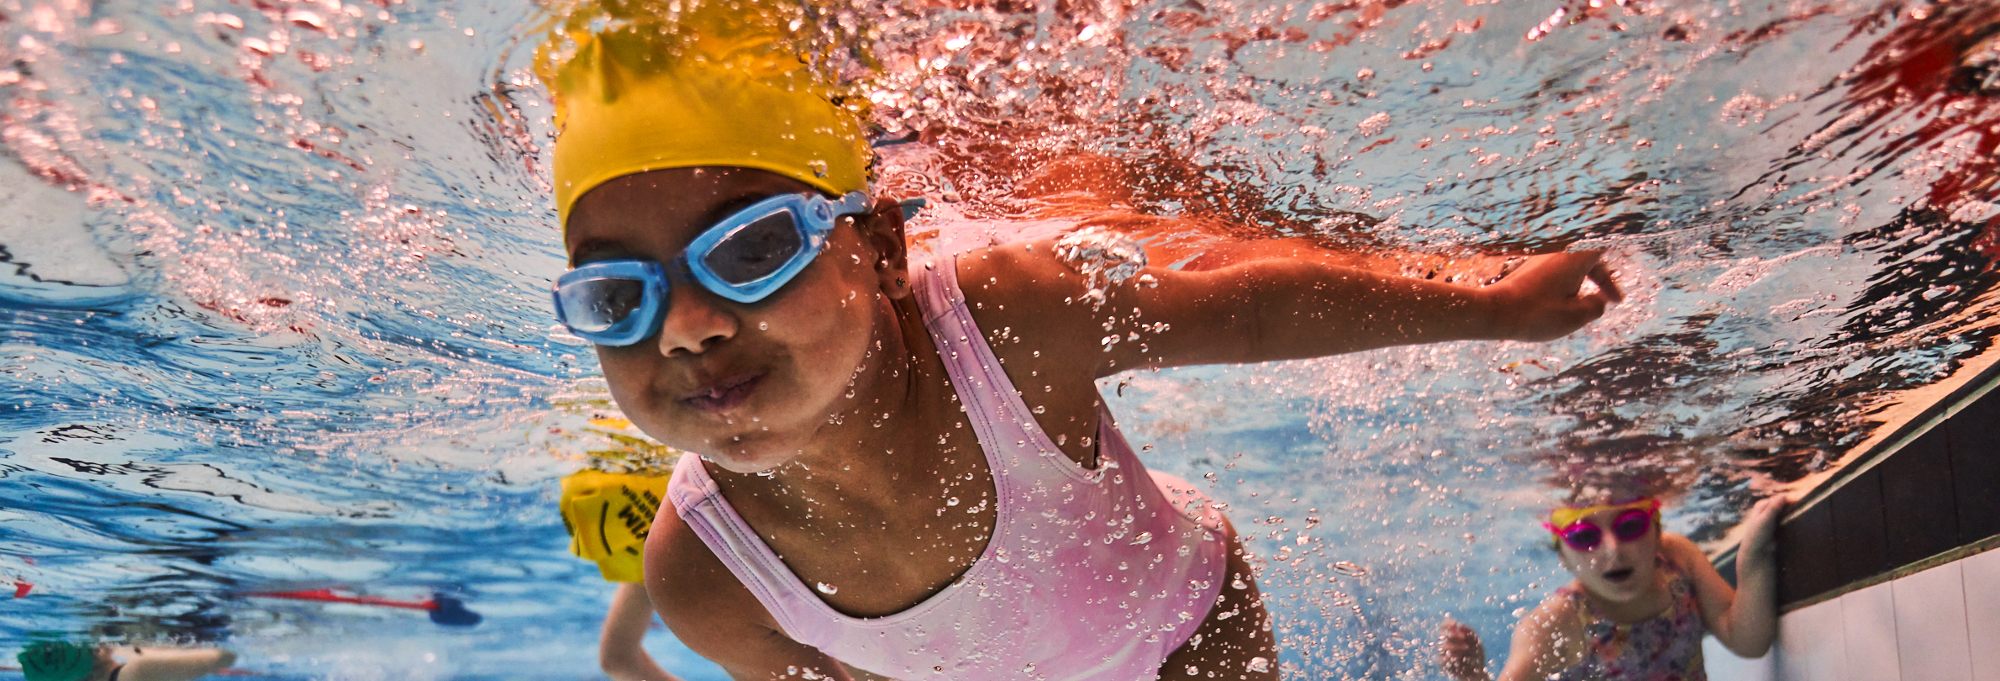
{"x": 608, "y": 516}
{"x": 645, "y": 85}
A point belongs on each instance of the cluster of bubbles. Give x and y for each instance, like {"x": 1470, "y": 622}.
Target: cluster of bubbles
{"x": 1104, "y": 258}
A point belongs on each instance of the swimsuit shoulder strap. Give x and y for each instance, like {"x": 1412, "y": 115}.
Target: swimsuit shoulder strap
{"x": 1017, "y": 449}
{"x": 1586, "y": 614}
{"x": 1681, "y": 587}
{"x": 699, "y": 502}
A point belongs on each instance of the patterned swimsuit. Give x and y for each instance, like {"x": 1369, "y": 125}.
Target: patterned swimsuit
{"x": 1664, "y": 648}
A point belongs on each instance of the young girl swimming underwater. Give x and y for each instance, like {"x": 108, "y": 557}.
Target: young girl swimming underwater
{"x": 56, "y": 660}
{"x": 1639, "y": 605}
{"x": 906, "y": 469}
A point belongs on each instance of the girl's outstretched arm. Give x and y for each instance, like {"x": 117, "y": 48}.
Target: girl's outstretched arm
{"x": 1274, "y": 309}
{"x": 1744, "y": 619}
{"x": 169, "y": 664}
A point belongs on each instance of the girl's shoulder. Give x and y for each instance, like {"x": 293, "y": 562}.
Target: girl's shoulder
{"x": 1029, "y": 273}
{"x": 1679, "y": 551}
{"x": 1561, "y": 611}
{"x": 1556, "y": 629}
{"x": 1034, "y": 309}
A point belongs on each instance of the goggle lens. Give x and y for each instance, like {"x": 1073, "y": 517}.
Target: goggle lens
{"x": 596, "y": 305}
{"x": 1583, "y": 536}
{"x": 756, "y": 250}
{"x": 1628, "y": 526}
{"x": 1631, "y": 525}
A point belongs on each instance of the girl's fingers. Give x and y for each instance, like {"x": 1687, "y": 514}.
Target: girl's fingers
{"x": 1771, "y": 509}
{"x": 1601, "y": 275}
{"x": 1566, "y": 271}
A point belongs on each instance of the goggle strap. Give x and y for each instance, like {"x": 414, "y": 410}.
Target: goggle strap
{"x": 1568, "y": 515}
{"x": 854, "y": 203}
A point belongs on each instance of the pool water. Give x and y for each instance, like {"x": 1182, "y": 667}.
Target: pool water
{"x": 273, "y": 309}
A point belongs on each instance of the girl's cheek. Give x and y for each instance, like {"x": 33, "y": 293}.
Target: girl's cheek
{"x": 1640, "y": 554}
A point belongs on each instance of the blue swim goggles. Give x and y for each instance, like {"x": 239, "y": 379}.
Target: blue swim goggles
{"x": 745, "y": 258}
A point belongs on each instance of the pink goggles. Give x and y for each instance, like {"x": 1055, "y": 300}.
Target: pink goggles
{"x": 1635, "y": 522}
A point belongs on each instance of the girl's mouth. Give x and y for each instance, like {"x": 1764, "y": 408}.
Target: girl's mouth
{"x": 723, "y": 395}
{"x": 1619, "y": 575}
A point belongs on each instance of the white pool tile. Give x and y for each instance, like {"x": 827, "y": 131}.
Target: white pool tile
{"x": 1812, "y": 644}
{"x": 1723, "y": 665}
{"x": 1982, "y": 613}
{"x": 1868, "y": 619}
{"x": 1931, "y": 642}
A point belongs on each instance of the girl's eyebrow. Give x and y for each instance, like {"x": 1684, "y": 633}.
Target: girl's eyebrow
{"x": 590, "y": 248}
{"x": 723, "y": 210}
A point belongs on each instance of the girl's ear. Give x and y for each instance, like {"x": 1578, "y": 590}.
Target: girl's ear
{"x": 884, "y": 233}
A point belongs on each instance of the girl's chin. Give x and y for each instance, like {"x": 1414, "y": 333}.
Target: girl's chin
{"x": 751, "y": 455}
{"x": 746, "y": 465}
{"x": 1616, "y": 592}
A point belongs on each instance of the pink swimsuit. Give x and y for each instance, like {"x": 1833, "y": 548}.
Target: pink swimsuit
{"x": 1089, "y": 574}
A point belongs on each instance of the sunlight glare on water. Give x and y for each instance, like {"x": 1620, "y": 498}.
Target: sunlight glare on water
{"x": 274, "y": 308}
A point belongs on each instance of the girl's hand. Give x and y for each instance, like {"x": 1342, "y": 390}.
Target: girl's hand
{"x": 1762, "y": 522}
{"x": 1460, "y": 653}
{"x": 1540, "y": 301}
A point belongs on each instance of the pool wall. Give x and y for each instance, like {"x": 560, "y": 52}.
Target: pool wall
{"x": 1888, "y": 572}
{"x": 1939, "y": 624}
{"x": 1932, "y": 500}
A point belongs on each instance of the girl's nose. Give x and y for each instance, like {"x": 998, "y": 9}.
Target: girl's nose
{"x": 1613, "y": 547}
{"x": 696, "y": 321}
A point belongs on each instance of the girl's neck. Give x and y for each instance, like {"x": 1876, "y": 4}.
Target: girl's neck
{"x": 1653, "y": 602}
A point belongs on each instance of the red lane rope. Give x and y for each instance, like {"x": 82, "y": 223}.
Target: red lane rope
{"x": 328, "y": 596}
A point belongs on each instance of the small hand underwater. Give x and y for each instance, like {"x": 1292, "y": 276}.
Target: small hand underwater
{"x": 943, "y": 339}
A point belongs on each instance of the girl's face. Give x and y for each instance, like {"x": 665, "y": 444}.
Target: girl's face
{"x": 746, "y": 385}
{"x": 1615, "y": 570}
